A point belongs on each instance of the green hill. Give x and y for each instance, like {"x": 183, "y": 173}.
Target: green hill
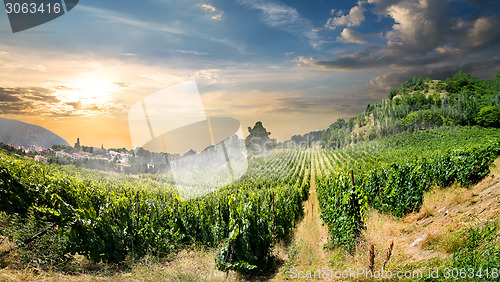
{"x": 417, "y": 104}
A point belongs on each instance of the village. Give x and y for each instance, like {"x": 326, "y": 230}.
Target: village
{"x": 41, "y": 154}
{"x": 118, "y": 160}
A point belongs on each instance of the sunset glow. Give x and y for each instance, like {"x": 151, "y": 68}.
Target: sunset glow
{"x": 91, "y": 91}
{"x": 295, "y": 66}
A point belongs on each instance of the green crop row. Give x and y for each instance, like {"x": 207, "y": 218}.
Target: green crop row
{"x": 395, "y": 187}
{"x": 113, "y": 218}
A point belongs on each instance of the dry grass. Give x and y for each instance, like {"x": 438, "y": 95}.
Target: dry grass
{"x": 188, "y": 265}
{"x": 426, "y": 237}
{"x": 306, "y": 252}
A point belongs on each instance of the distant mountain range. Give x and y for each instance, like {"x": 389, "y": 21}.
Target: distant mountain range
{"x": 24, "y": 134}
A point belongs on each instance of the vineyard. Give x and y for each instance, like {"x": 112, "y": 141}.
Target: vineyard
{"x": 392, "y": 174}
{"x": 112, "y": 218}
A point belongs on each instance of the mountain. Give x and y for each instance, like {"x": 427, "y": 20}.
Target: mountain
{"x": 24, "y": 134}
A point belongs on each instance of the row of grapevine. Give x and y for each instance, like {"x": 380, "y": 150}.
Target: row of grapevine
{"x": 396, "y": 185}
{"x": 111, "y": 218}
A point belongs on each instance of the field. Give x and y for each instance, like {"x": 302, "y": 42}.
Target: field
{"x": 263, "y": 225}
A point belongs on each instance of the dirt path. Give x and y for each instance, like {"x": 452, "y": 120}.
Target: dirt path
{"x": 306, "y": 252}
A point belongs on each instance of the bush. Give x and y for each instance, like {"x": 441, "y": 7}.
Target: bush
{"x": 422, "y": 120}
{"x": 489, "y": 116}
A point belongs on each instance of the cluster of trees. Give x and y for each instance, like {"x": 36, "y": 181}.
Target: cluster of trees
{"x": 258, "y": 141}
{"x": 417, "y": 104}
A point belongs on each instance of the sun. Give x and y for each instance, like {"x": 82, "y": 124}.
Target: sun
{"x": 90, "y": 91}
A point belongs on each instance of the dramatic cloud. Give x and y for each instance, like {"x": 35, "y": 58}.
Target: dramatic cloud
{"x": 484, "y": 31}
{"x": 427, "y": 37}
{"x": 8, "y": 95}
{"x": 419, "y": 26}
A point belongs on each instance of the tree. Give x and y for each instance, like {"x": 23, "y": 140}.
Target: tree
{"x": 422, "y": 120}
{"x": 489, "y": 116}
{"x": 258, "y": 141}
{"x": 144, "y": 156}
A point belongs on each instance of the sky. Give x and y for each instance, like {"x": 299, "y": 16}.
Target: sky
{"x": 295, "y": 65}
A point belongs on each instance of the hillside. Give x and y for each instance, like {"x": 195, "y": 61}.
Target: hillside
{"x": 417, "y": 104}
{"x": 457, "y": 227}
{"x": 24, "y": 134}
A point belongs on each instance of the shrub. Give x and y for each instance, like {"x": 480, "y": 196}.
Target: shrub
{"x": 489, "y": 116}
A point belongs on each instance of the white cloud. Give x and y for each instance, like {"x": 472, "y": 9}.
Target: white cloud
{"x": 355, "y": 17}
{"x": 283, "y": 17}
{"x": 211, "y": 76}
{"x": 119, "y": 18}
{"x": 351, "y": 36}
{"x": 304, "y": 62}
{"x": 192, "y": 52}
{"x": 213, "y": 12}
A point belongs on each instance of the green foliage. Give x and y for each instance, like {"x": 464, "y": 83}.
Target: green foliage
{"x": 392, "y": 174}
{"x": 47, "y": 252}
{"x": 248, "y": 245}
{"x": 396, "y": 188}
{"x": 14, "y": 198}
{"x": 421, "y": 120}
{"x": 489, "y": 116}
{"x": 413, "y": 84}
{"x": 480, "y": 253}
{"x": 111, "y": 218}
{"x": 343, "y": 207}
{"x": 258, "y": 140}
{"x": 418, "y": 104}
{"x": 372, "y": 135}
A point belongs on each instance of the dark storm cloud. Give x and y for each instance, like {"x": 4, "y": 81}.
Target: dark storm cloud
{"x": 358, "y": 60}
{"x": 425, "y": 32}
{"x": 431, "y": 38}
{"x": 39, "y": 94}
{"x": 16, "y": 108}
